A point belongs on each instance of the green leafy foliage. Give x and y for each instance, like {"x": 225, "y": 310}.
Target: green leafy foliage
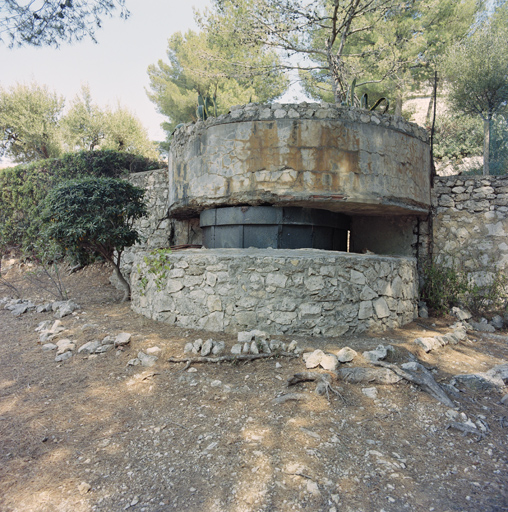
{"x": 94, "y": 215}
{"x": 52, "y": 22}
{"x": 205, "y": 64}
{"x": 22, "y": 188}
{"x": 158, "y": 264}
{"x": 445, "y": 287}
{"x": 457, "y": 136}
{"x": 477, "y": 72}
{"x": 29, "y": 122}
{"x": 33, "y": 127}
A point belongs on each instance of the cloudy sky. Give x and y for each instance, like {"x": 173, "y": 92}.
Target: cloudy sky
{"x": 115, "y": 68}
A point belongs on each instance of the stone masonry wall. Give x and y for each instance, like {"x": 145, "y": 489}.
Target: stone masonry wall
{"x": 470, "y": 224}
{"x": 303, "y": 291}
{"x": 156, "y": 229}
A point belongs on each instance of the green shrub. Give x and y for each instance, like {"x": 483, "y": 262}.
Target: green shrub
{"x": 22, "y": 188}
{"x": 94, "y": 215}
{"x": 442, "y": 288}
{"x": 458, "y": 136}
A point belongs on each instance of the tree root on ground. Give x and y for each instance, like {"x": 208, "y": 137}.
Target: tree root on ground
{"x": 324, "y": 383}
{"x": 423, "y": 378}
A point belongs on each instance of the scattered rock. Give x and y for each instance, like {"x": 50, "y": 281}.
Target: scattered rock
{"x": 329, "y": 362}
{"x": 44, "y": 308}
{"x": 218, "y": 348}
{"x": 104, "y": 348}
{"x": 90, "y": 347}
{"x": 19, "y": 309}
{"x": 49, "y": 346}
{"x": 428, "y": 343}
{"x": 370, "y": 392}
{"x": 312, "y": 359}
{"x": 461, "y": 314}
{"x": 207, "y": 347}
{"x": 292, "y": 346}
{"x": 380, "y": 352}
{"x": 254, "y": 348}
{"x": 236, "y": 349}
{"x": 43, "y": 326}
{"x": 64, "y": 308}
{"x": 83, "y": 488}
{"x": 245, "y": 337}
{"x": 478, "y": 381}
{"x": 346, "y": 355}
{"x": 497, "y": 322}
{"x": 482, "y": 326}
{"x": 197, "y": 346}
{"x": 122, "y": 339}
{"x": 134, "y": 362}
{"x": 146, "y": 360}
{"x": 65, "y": 345}
{"x": 423, "y": 310}
{"x": 312, "y": 488}
{"x": 153, "y": 351}
{"x": 63, "y": 357}
{"x": 188, "y": 348}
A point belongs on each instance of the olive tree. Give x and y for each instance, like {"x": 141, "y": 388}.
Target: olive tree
{"x": 477, "y": 73}
{"x": 95, "y": 215}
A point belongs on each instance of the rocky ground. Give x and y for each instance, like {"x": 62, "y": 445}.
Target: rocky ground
{"x": 95, "y": 433}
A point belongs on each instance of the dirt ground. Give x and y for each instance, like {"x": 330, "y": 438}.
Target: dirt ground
{"x": 93, "y": 434}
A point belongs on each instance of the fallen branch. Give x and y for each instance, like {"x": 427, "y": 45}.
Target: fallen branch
{"x": 232, "y": 357}
{"x": 466, "y": 429}
{"x": 423, "y": 378}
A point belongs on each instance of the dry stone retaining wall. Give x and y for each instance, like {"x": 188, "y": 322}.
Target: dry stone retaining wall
{"x": 303, "y": 291}
{"x": 470, "y": 224}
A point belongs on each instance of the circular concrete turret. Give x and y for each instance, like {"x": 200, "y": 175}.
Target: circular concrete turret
{"x": 308, "y": 155}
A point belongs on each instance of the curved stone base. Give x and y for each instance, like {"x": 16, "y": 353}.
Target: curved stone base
{"x": 293, "y": 291}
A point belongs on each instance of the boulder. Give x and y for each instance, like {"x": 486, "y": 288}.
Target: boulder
{"x": 312, "y": 359}
{"x": 122, "y": 339}
{"x": 346, "y": 354}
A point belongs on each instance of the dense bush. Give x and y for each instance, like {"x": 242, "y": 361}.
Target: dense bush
{"x": 445, "y": 287}
{"x": 95, "y": 216}
{"x": 22, "y": 188}
{"x": 458, "y": 136}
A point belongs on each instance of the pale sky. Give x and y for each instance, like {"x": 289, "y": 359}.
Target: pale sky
{"x": 115, "y": 67}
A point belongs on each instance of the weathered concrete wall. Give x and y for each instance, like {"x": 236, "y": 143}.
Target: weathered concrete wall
{"x": 311, "y": 155}
{"x": 302, "y": 291}
{"x": 470, "y": 224}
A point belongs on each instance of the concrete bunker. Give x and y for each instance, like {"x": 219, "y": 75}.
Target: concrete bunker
{"x": 307, "y": 177}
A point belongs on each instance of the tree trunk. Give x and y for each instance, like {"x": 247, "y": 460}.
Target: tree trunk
{"x": 429, "y": 111}
{"x": 486, "y": 146}
{"x": 398, "y": 105}
{"x": 125, "y": 285}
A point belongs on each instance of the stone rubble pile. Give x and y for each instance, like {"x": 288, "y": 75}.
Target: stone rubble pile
{"x": 259, "y": 342}
{"x": 20, "y": 306}
{"x": 205, "y": 348}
